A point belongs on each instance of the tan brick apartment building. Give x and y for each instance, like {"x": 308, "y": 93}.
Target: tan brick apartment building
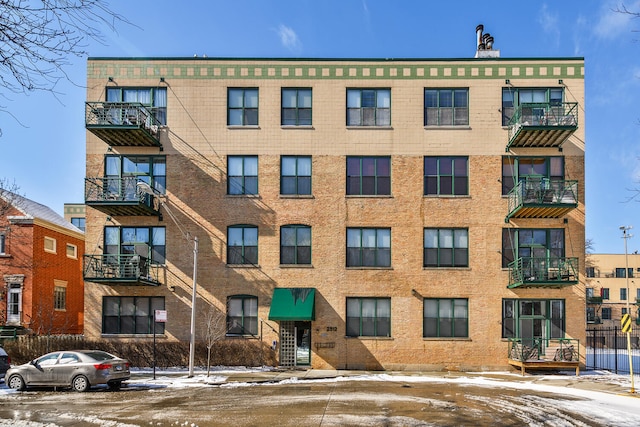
{"x": 355, "y": 213}
{"x": 41, "y": 286}
{"x": 607, "y": 292}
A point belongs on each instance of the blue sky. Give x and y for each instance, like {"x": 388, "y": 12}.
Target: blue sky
{"x": 44, "y": 152}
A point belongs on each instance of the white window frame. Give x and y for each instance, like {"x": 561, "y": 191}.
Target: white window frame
{"x": 74, "y": 250}
{"x": 53, "y": 243}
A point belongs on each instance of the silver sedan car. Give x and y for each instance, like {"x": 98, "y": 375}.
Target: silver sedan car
{"x": 78, "y": 369}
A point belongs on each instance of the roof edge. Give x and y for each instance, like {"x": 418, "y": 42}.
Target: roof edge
{"x": 222, "y": 58}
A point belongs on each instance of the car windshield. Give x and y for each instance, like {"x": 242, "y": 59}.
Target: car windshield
{"x": 99, "y": 355}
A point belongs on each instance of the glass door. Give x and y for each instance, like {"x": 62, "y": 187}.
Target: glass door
{"x": 14, "y": 304}
{"x": 303, "y": 343}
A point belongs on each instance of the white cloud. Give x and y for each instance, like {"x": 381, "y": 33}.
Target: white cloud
{"x": 289, "y": 38}
{"x": 549, "y": 23}
{"x": 612, "y": 23}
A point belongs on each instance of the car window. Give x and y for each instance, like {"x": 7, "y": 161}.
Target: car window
{"x": 100, "y": 355}
{"x": 67, "y": 358}
{"x": 49, "y": 359}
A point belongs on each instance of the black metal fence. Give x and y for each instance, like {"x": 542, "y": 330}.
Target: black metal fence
{"x": 607, "y": 350}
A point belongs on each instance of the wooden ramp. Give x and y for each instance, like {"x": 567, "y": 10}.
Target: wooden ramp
{"x": 541, "y": 364}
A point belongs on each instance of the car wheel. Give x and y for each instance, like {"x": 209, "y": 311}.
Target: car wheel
{"x": 114, "y": 385}
{"x": 16, "y": 383}
{"x": 80, "y": 383}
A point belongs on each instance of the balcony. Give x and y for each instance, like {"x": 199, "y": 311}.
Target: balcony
{"x": 119, "y": 197}
{"x": 594, "y": 320}
{"x": 542, "y": 125}
{"x": 122, "y": 124}
{"x": 121, "y": 269}
{"x": 542, "y": 198}
{"x": 537, "y": 272}
{"x": 544, "y": 353}
{"x": 594, "y": 300}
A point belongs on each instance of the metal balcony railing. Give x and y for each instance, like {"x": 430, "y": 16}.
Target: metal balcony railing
{"x": 129, "y": 269}
{"x": 549, "y": 272}
{"x": 550, "y": 349}
{"x": 542, "y": 198}
{"x": 119, "y": 196}
{"x": 543, "y": 124}
{"x": 594, "y": 300}
{"x": 122, "y": 123}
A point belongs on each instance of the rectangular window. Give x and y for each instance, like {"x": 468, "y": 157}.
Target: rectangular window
{"x": 242, "y": 175}
{"x": 146, "y": 242}
{"x": 606, "y": 313}
{"x": 242, "y": 315}
{"x": 295, "y": 245}
{"x": 604, "y": 293}
{"x": 79, "y": 222}
{"x": 534, "y": 169}
{"x": 3, "y": 241}
{"x": 242, "y": 106}
{"x": 295, "y": 175}
{"x": 131, "y": 315}
{"x": 446, "y": 247}
{"x": 242, "y": 245}
{"x": 620, "y": 273}
{"x": 446, "y": 176}
{"x": 368, "y": 317}
{"x": 623, "y": 294}
{"x": 591, "y": 272}
{"x": 589, "y": 292}
{"x": 296, "y": 107}
{"x": 368, "y": 176}
{"x": 368, "y": 107}
{"x": 513, "y": 98}
{"x": 154, "y": 100}
{"x": 122, "y": 174}
{"x": 445, "y": 317}
{"x": 72, "y": 251}
{"x": 368, "y": 247}
{"x": 50, "y": 245}
{"x": 446, "y": 107}
{"x": 536, "y": 247}
{"x": 59, "y": 297}
{"x": 531, "y": 319}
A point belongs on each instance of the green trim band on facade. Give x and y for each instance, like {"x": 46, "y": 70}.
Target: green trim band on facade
{"x": 293, "y": 304}
{"x": 375, "y": 71}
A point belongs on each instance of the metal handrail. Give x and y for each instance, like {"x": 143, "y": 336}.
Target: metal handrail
{"x": 546, "y": 114}
{"x": 543, "y": 191}
{"x": 116, "y": 189}
{"x": 120, "y": 267}
{"x": 121, "y": 114}
{"x": 523, "y": 349}
{"x": 543, "y": 269}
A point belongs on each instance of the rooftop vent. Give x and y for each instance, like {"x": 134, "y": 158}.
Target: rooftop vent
{"x": 484, "y": 44}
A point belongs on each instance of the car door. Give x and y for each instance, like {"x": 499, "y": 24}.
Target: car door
{"x": 65, "y": 369}
{"x": 40, "y": 371}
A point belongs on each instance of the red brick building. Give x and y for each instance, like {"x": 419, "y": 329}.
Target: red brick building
{"x": 41, "y": 284}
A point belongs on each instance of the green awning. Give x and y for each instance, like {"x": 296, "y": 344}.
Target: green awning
{"x": 293, "y": 304}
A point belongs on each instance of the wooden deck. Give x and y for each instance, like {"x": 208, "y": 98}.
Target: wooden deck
{"x": 541, "y": 364}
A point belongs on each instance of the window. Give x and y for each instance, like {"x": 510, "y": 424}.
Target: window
{"x": 242, "y": 107}
{"x": 638, "y": 295}
{"x": 368, "y": 107}
{"x": 79, "y": 222}
{"x": 623, "y": 294}
{"x": 60, "y": 297}
{"x": 589, "y": 292}
{"x": 536, "y": 247}
{"x": 295, "y": 176}
{"x": 533, "y": 319}
{"x": 604, "y": 293}
{"x": 242, "y": 175}
{"x": 154, "y": 99}
{"x": 72, "y": 251}
{"x": 446, "y": 176}
{"x": 624, "y": 311}
{"x": 368, "y": 247}
{"x": 445, "y": 317}
{"x": 591, "y": 272}
{"x": 444, "y": 247}
{"x": 295, "y": 244}
{"x": 242, "y": 315}
{"x": 146, "y": 242}
{"x": 513, "y": 98}
{"x": 131, "y": 315}
{"x": 606, "y": 313}
{"x": 296, "y": 107}
{"x": 446, "y": 107}
{"x": 50, "y": 245}
{"x": 242, "y": 244}
{"x": 122, "y": 174}
{"x": 3, "y": 242}
{"x": 368, "y": 317}
{"x": 516, "y": 169}
{"x": 620, "y": 273}
{"x": 368, "y": 176}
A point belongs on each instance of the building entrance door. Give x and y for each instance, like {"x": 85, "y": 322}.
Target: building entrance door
{"x": 295, "y": 343}
{"x": 14, "y": 304}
